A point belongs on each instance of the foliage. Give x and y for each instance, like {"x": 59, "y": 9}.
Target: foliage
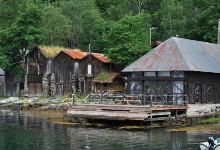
{"x": 56, "y": 27}
{"x": 27, "y": 29}
{"x": 173, "y": 19}
{"x": 9, "y": 11}
{"x": 87, "y": 23}
{"x": 212, "y": 120}
{"x": 78, "y": 23}
{"x": 205, "y": 27}
{"x": 127, "y": 39}
{"x": 15, "y": 40}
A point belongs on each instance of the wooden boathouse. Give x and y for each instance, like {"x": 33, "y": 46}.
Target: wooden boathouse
{"x": 177, "y": 72}
{"x": 52, "y": 71}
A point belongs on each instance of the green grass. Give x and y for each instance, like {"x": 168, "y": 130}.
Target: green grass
{"x": 212, "y": 120}
{"x": 4, "y": 97}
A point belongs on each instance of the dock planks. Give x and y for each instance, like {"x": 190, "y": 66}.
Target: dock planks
{"x": 122, "y": 112}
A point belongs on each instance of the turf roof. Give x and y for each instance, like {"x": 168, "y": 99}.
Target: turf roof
{"x": 50, "y": 51}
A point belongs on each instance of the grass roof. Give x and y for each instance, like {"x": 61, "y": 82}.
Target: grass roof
{"x": 50, "y": 51}
{"x": 105, "y": 77}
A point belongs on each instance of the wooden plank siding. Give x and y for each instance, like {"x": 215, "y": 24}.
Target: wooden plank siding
{"x": 58, "y": 71}
{"x": 63, "y": 70}
{"x": 203, "y": 87}
{"x": 37, "y": 63}
{"x": 36, "y": 68}
{"x": 116, "y": 85}
{"x": 13, "y": 84}
{"x": 97, "y": 67}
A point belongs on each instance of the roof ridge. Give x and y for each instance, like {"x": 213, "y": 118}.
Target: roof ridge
{"x": 180, "y": 52}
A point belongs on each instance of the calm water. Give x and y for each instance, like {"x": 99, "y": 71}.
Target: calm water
{"x": 25, "y": 131}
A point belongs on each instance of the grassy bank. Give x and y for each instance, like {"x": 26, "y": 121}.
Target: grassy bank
{"x": 212, "y": 120}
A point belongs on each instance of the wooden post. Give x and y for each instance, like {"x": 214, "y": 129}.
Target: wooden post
{"x": 123, "y": 99}
{"x": 73, "y": 99}
{"x": 165, "y": 99}
{"x": 101, "y": 97}
{"x": 151, "y": 99}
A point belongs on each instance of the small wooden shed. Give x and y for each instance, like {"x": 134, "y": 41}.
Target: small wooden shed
{"x": 90, "y": 67}
{"x": 109, "y": 82}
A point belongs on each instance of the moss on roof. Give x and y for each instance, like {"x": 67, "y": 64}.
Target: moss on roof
{"x": 106, "y": 77}
{"x": 50, "y": 51}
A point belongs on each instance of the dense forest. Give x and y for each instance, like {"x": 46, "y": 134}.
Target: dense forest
{"x": 120, "y": 29}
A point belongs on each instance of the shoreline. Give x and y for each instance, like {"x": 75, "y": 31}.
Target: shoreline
{"x": 59, "y": 117}
{"x": 55, "y": 110}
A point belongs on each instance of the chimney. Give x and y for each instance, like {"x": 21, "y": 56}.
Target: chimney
{"x": 218, "y": 31}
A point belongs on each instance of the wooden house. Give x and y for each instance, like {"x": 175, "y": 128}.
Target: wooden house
{"x": 90, "y": 67}
{"x": 109, "y": 82}
{"x": 38, "y": 66}
{"x": 178, "y": 71}
{"x": 59, "y": 71}
{"x": 65, "y": 68}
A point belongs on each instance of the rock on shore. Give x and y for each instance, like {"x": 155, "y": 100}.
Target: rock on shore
{"x": 46, "y": 104}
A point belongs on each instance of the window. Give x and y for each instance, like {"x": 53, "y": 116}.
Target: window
{"x": 177, "y": 74}
{"x": 136, "y": 87}
{"x": 89, "y": 69}
{"x": 105, "y": 84}
{"x": 30, "y": 61}
{"x": 149, "y": 74}
{"x": 136, "y": 74}
{"x": 164, "y": 73}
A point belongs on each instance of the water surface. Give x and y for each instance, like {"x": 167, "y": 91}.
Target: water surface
{"x": 27, "y": 131}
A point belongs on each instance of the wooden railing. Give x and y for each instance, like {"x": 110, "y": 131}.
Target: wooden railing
{"x": 136, "y": 99}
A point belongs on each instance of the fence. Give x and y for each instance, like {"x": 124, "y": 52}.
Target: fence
{"x": 136, "y": 99}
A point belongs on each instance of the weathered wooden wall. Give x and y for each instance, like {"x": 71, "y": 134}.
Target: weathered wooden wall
{"x": 36, "y": 68}
{"x": 116, "y": 86}
{"x": 63, "y": 70}
{"x": 97, "y": 67}
{"x": 13, "y": 84}
{"x": 37, "y": 63}
{"x": 203, "y": 87}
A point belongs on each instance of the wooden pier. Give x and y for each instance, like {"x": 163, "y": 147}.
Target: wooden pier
{"x": 125, "y": 112}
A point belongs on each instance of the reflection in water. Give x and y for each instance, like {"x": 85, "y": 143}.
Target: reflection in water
{"x": 25, "y": 131}
{"x": 90, "y": 138}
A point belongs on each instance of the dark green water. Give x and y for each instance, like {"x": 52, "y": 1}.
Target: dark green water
{"x": 25, "y": 131}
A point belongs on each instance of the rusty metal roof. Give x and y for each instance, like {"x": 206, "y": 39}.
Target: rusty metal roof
{"x": 101, "y": 57}
{"x": 179, "y": 54}
{"x": 76, "y": 54}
